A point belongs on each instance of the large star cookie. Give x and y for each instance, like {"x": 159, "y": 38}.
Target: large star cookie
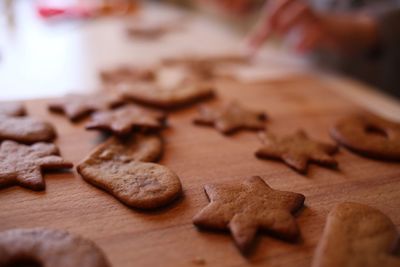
{"x": 46, "y": 247}
{"x": 231, "y": 117}
{"x": 25, "y": 129}
{"x": 121, "y": 167}
{"x": 23, "y": 165}
{"x": 357, "y": 235}
{"x": 123, "y": 120}
{"x": 12, "y": 109}
{"x": 297, "y": 150}
{"x": 76, "y": 106}
{"x": 248, "y": 207}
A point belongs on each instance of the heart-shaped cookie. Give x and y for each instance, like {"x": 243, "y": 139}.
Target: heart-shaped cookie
{"x": 357, "y": 235}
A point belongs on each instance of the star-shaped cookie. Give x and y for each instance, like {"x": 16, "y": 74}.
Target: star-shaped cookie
{"x": 25, "y": 130}
{"x": 231, "y": 117}
{"x": 76, "y": 106}
{"x": 246, "y": 208}
{"x": 23, "y": 165}
{"x": 297, "y": 150}
{"x": 123, "y": 120}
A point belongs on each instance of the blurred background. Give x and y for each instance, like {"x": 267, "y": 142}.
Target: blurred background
{"x": 49, "y": 48}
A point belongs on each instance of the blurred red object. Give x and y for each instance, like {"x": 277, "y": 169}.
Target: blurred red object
{"x": 84, "y": 12}
{"x": 72, "y": 12}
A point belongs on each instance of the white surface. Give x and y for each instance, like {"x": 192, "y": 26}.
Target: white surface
{"x": 46, "y": 59}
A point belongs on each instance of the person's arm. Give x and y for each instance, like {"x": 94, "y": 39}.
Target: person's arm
{"x": 345, "y": 33}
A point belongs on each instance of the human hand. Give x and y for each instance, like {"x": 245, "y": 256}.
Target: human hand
{"x": 236, "y": 7}
{"x": 337, "y": 32}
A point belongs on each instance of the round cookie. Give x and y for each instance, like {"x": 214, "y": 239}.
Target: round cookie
{"x": 50, "y": 248}
{"x": 369, "y": 136}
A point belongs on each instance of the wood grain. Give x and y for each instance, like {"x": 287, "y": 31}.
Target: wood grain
{"x": 201, "y": 155}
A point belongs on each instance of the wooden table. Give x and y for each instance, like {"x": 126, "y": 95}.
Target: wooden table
{"x": 200, "y": 155}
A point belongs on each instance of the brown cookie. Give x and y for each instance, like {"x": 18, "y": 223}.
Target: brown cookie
{"x": 166, "y": 98}
{"x": 25, "y": 129}
{"x": 297, "y": 150}
{"x": 123, "y": 120}
{"x": 207, "y": 60}
{"x": 76, "y": 106}
{"x": 357, "y": 235}
{"x": 246, "y": 208}
{"x": 118, "y": 167}
{"x": 231, "y": 117}
{"x": 50, "y": 248}
{"x": 23, "y": 165}
{"x": 150, "y": 30}
{"x": 369, "y": 136}
{"x": 127, "y": 74}
{"x": 205, "y": 67}
{"x": 12, "y": 109}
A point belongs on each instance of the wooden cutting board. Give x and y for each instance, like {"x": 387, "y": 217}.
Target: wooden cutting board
{"x": 200, "y": 155}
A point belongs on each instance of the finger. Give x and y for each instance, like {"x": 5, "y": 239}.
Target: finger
{"x": 312, "y": 37}
{"x": 277, "y": 8}
{"x": 261, "y": 31}
{"x": 257, "y": 38}
{"x": 297, "y": 15}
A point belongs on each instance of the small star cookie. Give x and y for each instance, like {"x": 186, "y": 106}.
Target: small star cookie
{"x": 25, "y": 129}
{"x": 76, "y": 106}
{"x": 23, "y": 165}
{"x": 248, "y": 207}
{"x": 123, "y": 120}
{"x": 231, "y": 117}
{"x": 297, "y": 150}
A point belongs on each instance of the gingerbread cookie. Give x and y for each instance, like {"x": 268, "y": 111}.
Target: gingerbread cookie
{"x": 127, "y": 74}
{"x": 231, "y": 117}
{"x": 246, "y": 208}
{"x": 297, "y": 150}
{"x": 25, "y": 129}
{"x": 205, "y": 67}
{"x": 12, "y": 109}
{"x": 49, "y": 248}
{"x": 123, "y": 120}
{"x": 166, "y": 98}
{"x": 357, "y": 235}
{"x": 119, "y": 169}
{"x": 208, "y": 60}
{"x": 369, "y": 136}
{"x": 76, "y": 106}
{"x": 23, "y": 165}
{"x": 149, "y": 30}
